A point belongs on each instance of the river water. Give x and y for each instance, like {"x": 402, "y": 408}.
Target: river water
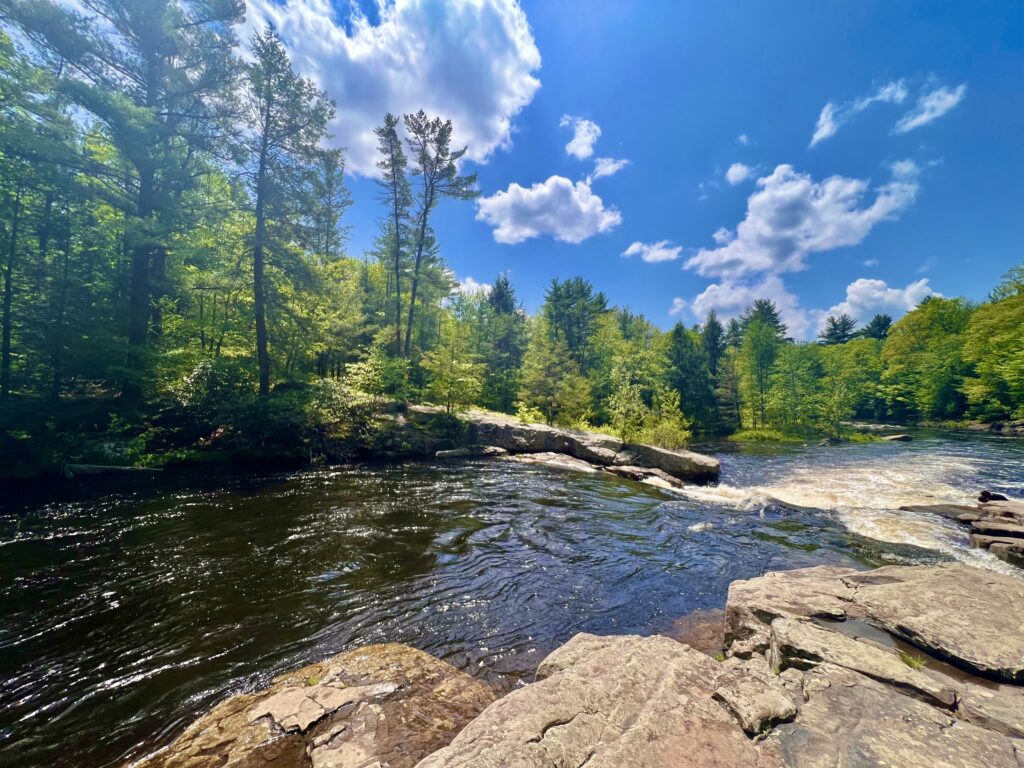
{"x": 126, "y": 613}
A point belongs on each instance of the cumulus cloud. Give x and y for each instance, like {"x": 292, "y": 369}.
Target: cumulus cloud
{"x": 931, "y": 106}
{"x": 608, "y": 166}
{"x": 469, "y": 286}
{"x": 738, "y": 173}
{"x": 567, "y": 211}
{"x": 663, "y": 250}
{"x": 679, "y": 306}
{"x": 585, "y": 134}
{"x": 833, "y": 115}
{"x": 865, "y": 298}
{"x": 478, "y": 56}
{"x": 730, "y": 297}
{"x": 743, "y": 140}
{"x": 791, "y": 216}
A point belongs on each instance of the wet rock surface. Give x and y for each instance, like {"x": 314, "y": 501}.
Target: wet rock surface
{"x": 382, "y": 706}
{"x": 997, "y": 524}
{"x": 900, "y": 666}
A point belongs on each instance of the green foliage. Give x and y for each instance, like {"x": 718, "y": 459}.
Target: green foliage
{"x": 665, "y": 425}
{"x": 454, "y": 377}
{"x": 912, "y": 660}
{"x": 626, "y": 404}
{"x": 838, "y": 330}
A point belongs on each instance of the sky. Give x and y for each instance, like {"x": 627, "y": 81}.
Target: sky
{"x": 684, "y": 156}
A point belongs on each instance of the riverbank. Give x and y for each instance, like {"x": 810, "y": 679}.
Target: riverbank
{"x": 908, "y": 666}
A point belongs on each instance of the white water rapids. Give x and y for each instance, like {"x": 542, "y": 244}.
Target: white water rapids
{"x": 863, "y": 486}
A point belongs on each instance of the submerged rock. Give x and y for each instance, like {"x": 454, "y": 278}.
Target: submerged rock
{"x": 382, "y": 705}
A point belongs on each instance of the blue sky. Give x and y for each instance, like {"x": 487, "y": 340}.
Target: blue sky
{"x": 915, "y": 184}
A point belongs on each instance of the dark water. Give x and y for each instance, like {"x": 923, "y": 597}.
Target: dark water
{"x": 125, "y": 615}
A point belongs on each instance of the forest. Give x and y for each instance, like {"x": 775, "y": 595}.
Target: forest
{"x": 173, "y": 247}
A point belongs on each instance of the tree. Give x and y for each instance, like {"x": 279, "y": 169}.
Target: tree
{"x": 687, "y": 373}
{"x": 551, "y": 381}
{"x": 397, "y": 197}
{"x": 758, "y": 354}
{"x": 329, "y": 199}
{"x": 713, "y": 341}
{"x": 436, "y": 166}
{"x": 287, "y": 116}
{"x": 924, "y": 368}
{"x": 838, "y": 330}
{"x": 157, "y": 74}
{"x": 626, "y": 403}
{"x": 993, "y": 345}
{"x": 878, "y": 328}
{"x": 454, "y": 377}
{"x": 734, "y": 334}
{"x": 571, "y": 308}
{"x": 503, "y": 342}
{"x": 765, "y": 312}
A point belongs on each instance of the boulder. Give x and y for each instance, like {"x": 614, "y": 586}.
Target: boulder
{"x": 471, "y": 451}
{"x": 382, "y": 705}
{"x": 898, "y": 438}
{"x": 1009, "y": 552}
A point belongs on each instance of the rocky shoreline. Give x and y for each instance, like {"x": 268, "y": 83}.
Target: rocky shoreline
{"x": 426, "y": 431}
{"x": 996, "y": 523}
{"x": 900, "y": 666}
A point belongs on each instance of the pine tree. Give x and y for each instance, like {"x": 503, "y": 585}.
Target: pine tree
{"x": 838, "y": 330}
{"x": 397, "y": 198}
{"x": 287, "y": 118}
{"x": 436, "y": 167}
{"x": 713, "y": 340}
{"x": 878, "y": 328}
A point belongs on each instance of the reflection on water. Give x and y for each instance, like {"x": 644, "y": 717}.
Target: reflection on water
{"x": 123, "y": 616}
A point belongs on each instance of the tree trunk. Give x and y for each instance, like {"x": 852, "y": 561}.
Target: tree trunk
{"x": 259, "y": 243}
{"x": 138, "y": 307}
{"x": 12, "y": 247}
{"x": 428, "y": 203}
{"x": 56, "y": 356}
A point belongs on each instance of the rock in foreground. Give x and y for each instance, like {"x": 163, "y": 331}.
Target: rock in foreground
{"x": 824, "y": 667}
{"x": 382, "y": 705}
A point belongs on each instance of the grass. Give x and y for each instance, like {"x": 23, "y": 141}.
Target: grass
{"x": 764, "y": 436}
{"x": 911, "y": 660}
{"x": 311, "y": 680}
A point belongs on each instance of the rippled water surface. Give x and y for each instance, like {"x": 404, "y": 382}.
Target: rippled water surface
{"x": 125, "y": 614}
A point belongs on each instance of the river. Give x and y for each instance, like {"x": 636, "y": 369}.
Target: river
{"x": 126, "y": 612}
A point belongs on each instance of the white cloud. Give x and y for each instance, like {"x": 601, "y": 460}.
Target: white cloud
{"x": 567, "y": 211}
{"x": 865, "y": 298}
{"x": 585, "y": 134}
{"x": 469, "y": 286}
{"x": 870, "y": 262}
{"x": 930, "y": 106}
{"x": 834, "y": 115}
{"x": 608, "y": 166}
{"x": 738, "y": 173}
{"x": 652, "y": 253}
{"x": 743, "y": 140}
{"x": 479, "y": 57}
{"x": 679, "y": 306}
{"x": 790, "y": 216}
{"x": 730, "y": 297}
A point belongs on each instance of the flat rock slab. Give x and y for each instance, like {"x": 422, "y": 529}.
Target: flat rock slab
{"x": 967, "y": 616}
{"x": 851, "y": 720}
{"x": 998, "y": 527}
{"x": 382, "y": 705}
{"x": 609, "y": 703}
{"x": 951, "y": 511}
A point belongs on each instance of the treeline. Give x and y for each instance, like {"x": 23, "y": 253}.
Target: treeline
{"x": 174, "y": 260}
